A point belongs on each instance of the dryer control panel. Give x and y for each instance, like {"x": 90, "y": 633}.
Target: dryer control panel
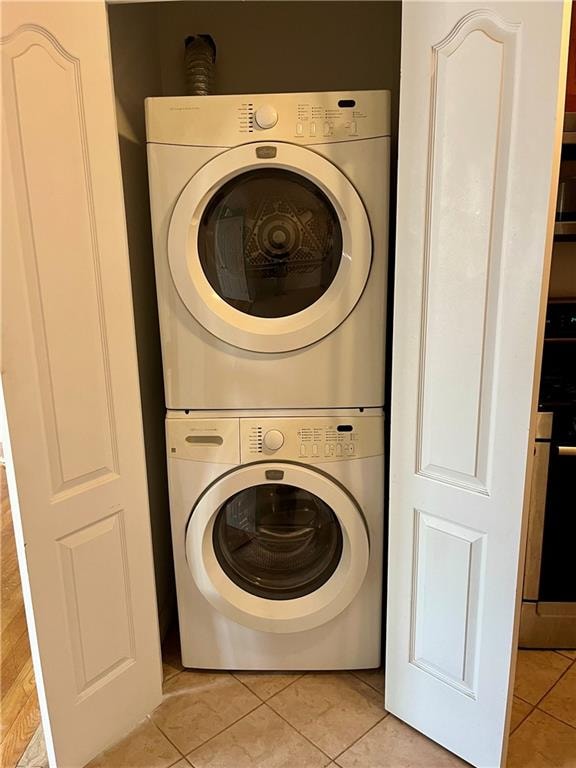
{"x": 313, "y": 440}
{"x": 300, "y": 118}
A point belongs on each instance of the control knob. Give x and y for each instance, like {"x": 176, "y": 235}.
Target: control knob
{"x": 273, "y": 439}
{"x": 266, "y": 116}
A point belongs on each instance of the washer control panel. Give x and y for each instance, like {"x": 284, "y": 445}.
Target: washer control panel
{"x": 313, "y": 440}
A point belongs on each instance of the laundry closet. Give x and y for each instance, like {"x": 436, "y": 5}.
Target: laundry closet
{"x": 255, "y": 47}
{"x": 466, "y": 316}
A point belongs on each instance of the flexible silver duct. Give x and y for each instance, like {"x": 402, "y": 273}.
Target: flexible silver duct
{"x": 199, "y": 59}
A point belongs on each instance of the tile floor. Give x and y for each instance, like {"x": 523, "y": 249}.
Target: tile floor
{"x": 222, "y": 720}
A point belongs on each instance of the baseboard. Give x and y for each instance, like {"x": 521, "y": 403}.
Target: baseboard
{"x": 548, "y": 625}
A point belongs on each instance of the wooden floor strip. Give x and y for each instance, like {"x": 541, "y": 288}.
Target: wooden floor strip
{"x": 20, "y": 734}
{"x": 14, "y": 699}
{"x": 35, "y": 755}
{"x": 19, "y": 713}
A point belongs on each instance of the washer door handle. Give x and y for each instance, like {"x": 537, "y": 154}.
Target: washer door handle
{"x": 277, "y": 536}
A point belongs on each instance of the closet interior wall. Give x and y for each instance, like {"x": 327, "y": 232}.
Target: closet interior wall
{"x": 563, "y": 271}
{"x": 262, "y": 47}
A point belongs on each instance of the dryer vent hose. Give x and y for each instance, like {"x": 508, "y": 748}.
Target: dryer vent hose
{"x": 199, "y": 59}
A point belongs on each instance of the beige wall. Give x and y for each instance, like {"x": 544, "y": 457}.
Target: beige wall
{"x": 137, "y": 75}
{"x": 286, "y": 46}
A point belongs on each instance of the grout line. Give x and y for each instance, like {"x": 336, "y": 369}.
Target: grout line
{"x": 554, "y": 684}
{"x": 182, "y": 757}
{"x": 300, "y": 675}
{"x": 563, "y": 652}
{"x": 261, "y": 702}
{"x": 297, "y": 731}
{"x": 166, "y": 737}
{"x": 555, "y": 717}
{"x": 356, "y": 674}
{"x": 380, "y": 693}
{"x": 385, "y": 715}
{"x": 525, "y": 701}
{"x": 221, "y": 731}
{"x": 174, "y": 673}
{"x": 248, "y": 688}
{"x": 171, "y": 678}
{"x": 316, "y": 745}
{"x": 526, "y": 716}
{"x": 238, "y": 719}
{"x": 233, "y": 722}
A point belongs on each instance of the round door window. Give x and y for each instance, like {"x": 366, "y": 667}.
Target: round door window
{"x": 269, "y": 255}
{"x": 277, "y": 541}
{"x": 279, "y": 554}
{"x": 270, "y": 242}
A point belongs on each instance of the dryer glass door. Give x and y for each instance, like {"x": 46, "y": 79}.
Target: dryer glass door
{"x": 270, "y": 242}
{"x": 277, "y": 547}
{"x": 269, "y": 247}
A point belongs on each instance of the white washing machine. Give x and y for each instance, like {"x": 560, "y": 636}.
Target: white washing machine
{"x": 277, "y": 527}
{"x": 270, "y": 223}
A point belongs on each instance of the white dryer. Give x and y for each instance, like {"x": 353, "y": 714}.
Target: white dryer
{"x": 270, "y": 223}
{"x": 277, "y": 528}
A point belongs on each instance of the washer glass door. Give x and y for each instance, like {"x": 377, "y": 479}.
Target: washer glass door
{"x": 269, "y": 247}
{"x": 277, "y": 547}
{"x": 277, "y": 541}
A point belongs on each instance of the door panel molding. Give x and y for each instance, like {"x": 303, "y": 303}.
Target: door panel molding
{"x": 454, "y": 586}
{"x": 100, "y": 547}
{"x": 53, "y": 176}
{"x": 472, "y": 111}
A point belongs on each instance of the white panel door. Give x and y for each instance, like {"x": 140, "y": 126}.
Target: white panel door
{"x": 69, "y": 376}
{"x": 480, "y": 121}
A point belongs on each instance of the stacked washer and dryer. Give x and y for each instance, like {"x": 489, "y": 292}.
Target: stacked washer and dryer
{"x": 270, "y": 224}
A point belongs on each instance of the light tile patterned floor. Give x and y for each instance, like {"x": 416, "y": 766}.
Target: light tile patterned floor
{"x": 250, "y": 720}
